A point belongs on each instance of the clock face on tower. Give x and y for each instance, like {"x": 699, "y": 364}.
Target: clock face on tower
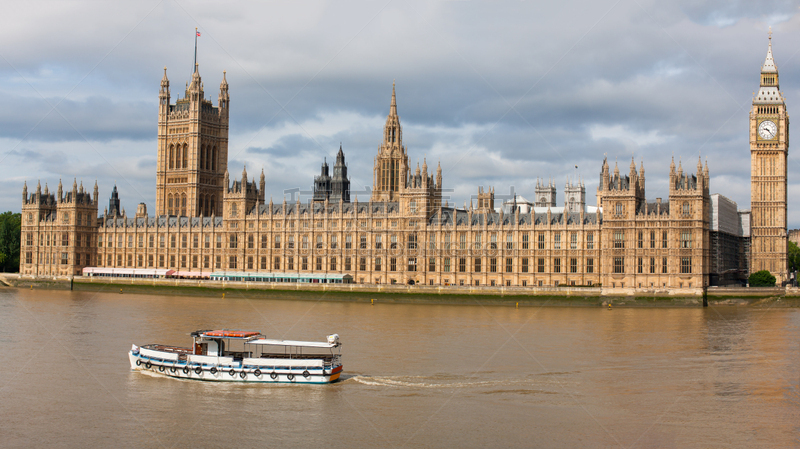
{"x": 767, "y": 130}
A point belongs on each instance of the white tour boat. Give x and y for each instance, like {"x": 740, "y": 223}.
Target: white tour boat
{"x": 243, "y": 356}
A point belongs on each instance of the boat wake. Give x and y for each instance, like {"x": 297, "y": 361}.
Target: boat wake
{"x": 438, "y": 382}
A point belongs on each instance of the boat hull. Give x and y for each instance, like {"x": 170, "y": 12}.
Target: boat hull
{"x": 234, "y": 373}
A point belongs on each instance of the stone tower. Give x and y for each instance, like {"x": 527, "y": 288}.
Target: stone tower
{"x": 575, "y": 196}
{"x": 391, "y": 164}
{"x": 192, "y": 150}
{"x": 340, "y": 183}
{"x": 335, "y": 188}
{"x": 769, "y": 147}
{"x": 57, "y": 231}
{"x": 485, "y": 199}
{"x": 113, "y": 203}
{"x": 322, "y": 183}
{"x": 545, "y": 194}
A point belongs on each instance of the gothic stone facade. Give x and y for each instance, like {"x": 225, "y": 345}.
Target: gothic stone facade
{"x": 403, "y": 233}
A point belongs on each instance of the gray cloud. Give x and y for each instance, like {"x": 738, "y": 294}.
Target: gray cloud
{"x": 502, "y": 93}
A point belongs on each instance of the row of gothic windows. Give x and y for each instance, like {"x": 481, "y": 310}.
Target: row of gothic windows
{"x": 178, "y": 157}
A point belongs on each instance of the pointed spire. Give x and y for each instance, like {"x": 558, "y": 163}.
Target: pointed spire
{"x": 25, "y": 191}
{"x": 75, "y": 185}
{"x": 699, "y": 165}
{"x": 39, "y": 187}
{"x": 60, "y": 190}
{"x": 223, "y": 93}
{"x": 244, "y": 175}
{"x": 672, "y": 165}
{"x": 393, "y": 106}
{"x": 705, "y": 170}
{"x": 769, "y": 63}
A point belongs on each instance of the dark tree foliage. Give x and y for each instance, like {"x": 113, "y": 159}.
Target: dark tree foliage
{"x": 794, "y": 256}
{"x": 762, "y": 278}
{"x": 9, "y": 241}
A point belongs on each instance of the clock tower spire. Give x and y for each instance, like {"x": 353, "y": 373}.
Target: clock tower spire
{"x": 769, "y": 148}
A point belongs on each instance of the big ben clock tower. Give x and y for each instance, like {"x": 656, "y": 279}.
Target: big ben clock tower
{"x": 769, "y": 147}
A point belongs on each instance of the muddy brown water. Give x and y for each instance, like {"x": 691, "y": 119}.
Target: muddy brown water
{"x": 415, "y": 375}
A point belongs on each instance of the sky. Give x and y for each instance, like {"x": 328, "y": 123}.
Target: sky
{"x": 501, "y": 93}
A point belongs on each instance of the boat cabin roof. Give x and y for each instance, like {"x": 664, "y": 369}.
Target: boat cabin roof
{"x": 308, "y": 344}
{"x": 255, "y": 338}
{"x": 226, "y": 334}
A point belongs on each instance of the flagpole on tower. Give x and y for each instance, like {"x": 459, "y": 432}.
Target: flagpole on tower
{"x": 195, "y": 49}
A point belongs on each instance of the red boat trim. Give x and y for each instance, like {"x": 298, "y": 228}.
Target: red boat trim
{"x": 231, "y": 334}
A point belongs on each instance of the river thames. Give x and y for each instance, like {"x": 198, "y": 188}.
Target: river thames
{"x": 414, "y": 375}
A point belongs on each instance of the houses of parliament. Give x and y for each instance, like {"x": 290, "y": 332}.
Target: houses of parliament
{"x": 207, "y": 220}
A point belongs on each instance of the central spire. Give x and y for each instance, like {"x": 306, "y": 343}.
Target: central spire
{"x": 393, "y": 106}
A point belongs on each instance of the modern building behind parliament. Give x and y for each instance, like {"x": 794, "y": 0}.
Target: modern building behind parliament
{"x": 207, "y": 222}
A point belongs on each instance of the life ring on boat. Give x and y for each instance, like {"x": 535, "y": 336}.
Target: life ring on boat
{"x": 306, "y": 374}
{"x": 148, "y": 365}
{"x": 185, "y": 370}
{"x": 198, "y": 370}
{"x": 257, "y": 372}
{"x": 160, "y": 368}
{"x": 172, "y": 369}
{"x": 138, "y": 362}
{"x": 273, "y": 375}
{"x": 232, "y": 372}
{"x": 243, "y": 374}
{"x": 213, "y": 370}
{"x": 290, "y": 376}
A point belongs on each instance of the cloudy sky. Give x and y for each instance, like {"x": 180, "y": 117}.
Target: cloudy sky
{"x": 501, "y": 93}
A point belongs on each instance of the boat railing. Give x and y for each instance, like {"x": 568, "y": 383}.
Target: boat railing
{"x": 326, "y": 357}
{"x": 283, "y": 362}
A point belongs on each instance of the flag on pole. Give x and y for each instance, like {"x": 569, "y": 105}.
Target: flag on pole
{"x": 198, "y": 33}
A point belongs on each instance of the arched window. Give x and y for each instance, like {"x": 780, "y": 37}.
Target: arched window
{"x": 619, "y": 208}
{"x": 686, "y": 208}
{"x": 212, "y": 205}
{"x": 183, "y": 203}
{"x": 169, "y": 204}
{"x": 202, "y": 156}
{"x": 172, "y": 156}
{"x": 233, "y": 210}
{"x": 185, "y": 156}
{"x": 214, "y": 158}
